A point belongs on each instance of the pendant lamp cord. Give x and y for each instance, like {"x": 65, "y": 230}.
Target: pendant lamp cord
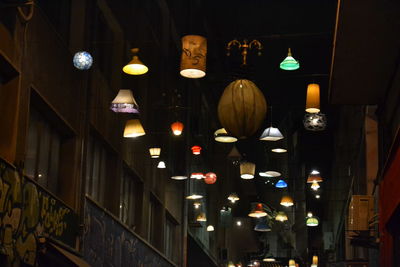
{"x": 271, "y": 114}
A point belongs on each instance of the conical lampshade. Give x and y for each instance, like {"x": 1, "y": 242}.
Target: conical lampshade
{"x": 281, "y": 184}
{"x": 314, "y": 178}
{"x": 247, "y": 170}
{"x": 262, "y": 226}
{"x": 289, "y": 63}
{"x": 133, "y": 128}
{"x": 135, "y": 66}
{"x": 155, "y": 152}
{"x": 201, "y": 217}
{"x": 124, "y": 102}
{"x": 287, "y": 201}
{"x": 194, "y": 54}
{"x": 281, "y": 216}
{"x": 312, "y": 103}
{"x": 258, "y": 211}
{"x": 315, "y": 186}
{"x": 221, "y": 135}
{"x": 271, "y": 134}
{"x": 269, "y": 258}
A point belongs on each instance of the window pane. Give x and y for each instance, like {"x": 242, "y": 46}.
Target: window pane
{"x": 32, "y": 145}
{"x": 44, "y": 153}
{"x": 54, "y": 162}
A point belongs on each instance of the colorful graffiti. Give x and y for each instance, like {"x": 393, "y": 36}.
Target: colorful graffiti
{"x": 107, "y": 243}
{"x": 28, "y": 212}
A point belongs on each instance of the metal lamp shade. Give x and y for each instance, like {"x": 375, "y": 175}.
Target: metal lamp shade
{"x": 289, "y": 63}
{"x": 258, "y": 211}
{"x": 124, "y": 102}
{"x": 262, "y": 226}
{"x": 135, "y": 66}
{"x": 155, "y": 152}
{"x": 222, "y": 136}
{"x": 194, "y": 54}
{"x": 314, "y": 121}
{"x": 312, "y": 102}
{"x": 287, "y": 201}
{"x": 247, "y": 170}
{"x": 133, "y": 128}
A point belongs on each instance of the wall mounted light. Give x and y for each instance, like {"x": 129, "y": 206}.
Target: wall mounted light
{"x": 245, "y": 46}
{"x": 289, "y": 63}
{"x": 133, "y": 128}
{"x": 82, "y": 60}
{"x": 124, "y": 102}
{"x": 177, "y": 128}
{"x": 155, "y": 152}
{"x": 135, "y": 66}
{"x": 312, "y": 102}
{"x": 194, "y": 55}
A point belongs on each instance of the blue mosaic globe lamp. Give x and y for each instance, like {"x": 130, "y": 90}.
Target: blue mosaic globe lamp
{"x": 82, "y": 60}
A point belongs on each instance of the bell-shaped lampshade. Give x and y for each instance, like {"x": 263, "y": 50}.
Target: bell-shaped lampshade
{"x": 124, "y": 102}
{"x": 292, "y": 263}
{"x": 315, "y": 186}
{"x": 287, "y": 201}
{"x": 197, "y": 175}
{"x": 289, "y": 63}
{"x": 314, "y": 262}
{"x": 210, "y": 178}
{"x": 312, "y": 103}
{"x": 135, "y": 66}
{"x": 279, "y": 150}
{"x": 177, "y": 128}
{"x": 201, "y": 217}
{"x": 233, "y": 197}
{"x": 196, "y": 150}
{"x": 262, "y": 226}
{"x": 314, "y": 121}
{"x": 271, "y": 134}
{"x": 314, "y": 176}
{"x": 312, "y": 221}
{"x": 210, "y": 228}
{"x": 155, "y": 152}
{"x": 161, "y": 165}
{"x": 247, "y": 170}
{"x": 258, "y": 211}
{"x": 194, "y": 54}
{"x": 281, "y": 184}
{"x": 281, "y": 216}
{"x": 221, "y": 135}
{"x": 82, "y": 60}
{"x": 133, "y": 128}
{"x": 179, "y": 177}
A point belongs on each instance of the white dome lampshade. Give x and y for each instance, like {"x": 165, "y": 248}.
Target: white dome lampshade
{"x": 124, "y": 102}
{"x": 271, "y": 134}
{"x": 210, "y": 228}
{"x": 161, "y": 165}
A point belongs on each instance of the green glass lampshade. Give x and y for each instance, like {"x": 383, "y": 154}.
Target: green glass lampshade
{"x": 289, "y": 63}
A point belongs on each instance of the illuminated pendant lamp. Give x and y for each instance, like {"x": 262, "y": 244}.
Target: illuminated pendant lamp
{"x": 194, "y": 196}
{"x": 201, "y": 217}
{"x": 315, "y": 186}
{"x": 194, "y": 190}
{"x": 312, "y": 102}
{"x": 194, "y": 54}
{"x": 281, "y": 184}
{"x": 196, "y": 150}
{"x": 314, "y": 176}
{"x": 133, "y": 128}
{"x": 155, "y": 152}
{"x": 279, "y": 150}
{"x": 269, "y": 258}
{"x": 281, "y": 216}
{"x": 161, "y": 165}
{"x": 289, "y": 63}
{"x": 179, "y": 177}
{"x": 314, "y": 121}
{"x": 124, "y": 102}
{"x": 231, "y": 264}
{"x": 272, "y": 174}
{"x": 287, "y": 201}
{"x": 210, "y": 228}
{"x": 135, "y": 66}
{"x": 271, "y": 133}
{"x": 314, "y": 261}
{"x": 197, "y": 175}
{"x": 258, "y": 211}
{"x": 262, "y": 226}
{"x": 210, "y": 178}
{"x": 247, "y": 170}
{"x": 82, "y": 60}
{"x": 177, "y": 128}
{"x": 292, "y": 263}
{"x": 196, "y": 205}
{"x": 311, "y": 220}
{"x": 233, "y": 197}
{"x": 222, "y": 136}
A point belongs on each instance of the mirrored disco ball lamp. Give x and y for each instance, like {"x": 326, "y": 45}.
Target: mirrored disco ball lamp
{"x": 82, "y": 60}
{"x": 314, "y": 121}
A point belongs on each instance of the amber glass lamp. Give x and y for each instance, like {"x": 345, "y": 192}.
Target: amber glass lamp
{"x": 194, "y": 53}
{"x": 135, "y": 66}
{"x": 312, "y": 103}
{"x": 287, "y": 201}
{"x": 133, "y": 128}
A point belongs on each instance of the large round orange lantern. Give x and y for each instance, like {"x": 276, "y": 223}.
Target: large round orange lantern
{"x": 210, "y": 178}
{"x": 242, "y": 108}
{"x": 177, "y": 128}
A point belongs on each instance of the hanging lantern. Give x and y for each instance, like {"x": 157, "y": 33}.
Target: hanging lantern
{"x": 289, "y": 63}
{"x": 287, "y": 201}
{"x": 196, "y": 150}
{"x": 155, "y": 152}
{"x": 279, "y": 150}
{"x": 197, "y": 175}
{"x": 311, "y": 220}
{"x": 177, "y": 128}
{"x": 194, "y": 55}
{"x": 314, "y": 176}
{"x": 82, "y": 60}
{"x": 211, "y": 178}
{"x": 281, "y": 184}
{"x": 312, "y": 102}
{"x": 292, "y": 263}
{"x": 124, "y": 102}
{"x": 262, "y": 226}
{"x": 258, "y": 211}
{"x": 221, "y": 135}
{"x": 315, "y": 186}
{"x": 281, "y": 216}
{"x": 161, "y": 165}
{"x": 135, "y": 66}
{"x": 271, "y": 134}
{"x": 210, "y": 228}
{"x": 314, "y": 261}
{"x": 201, "y": 217}
{"x": 314, "y": 121}
{"x": 233, "y": 197}
{"x": 247, "y": 170}
{"x": 133, "y": 128}
{"x": 242, "y": 108}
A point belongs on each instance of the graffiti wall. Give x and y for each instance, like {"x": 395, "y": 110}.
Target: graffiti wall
{"x": 28, "y": 212}
{"x": 109, "y": 244}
